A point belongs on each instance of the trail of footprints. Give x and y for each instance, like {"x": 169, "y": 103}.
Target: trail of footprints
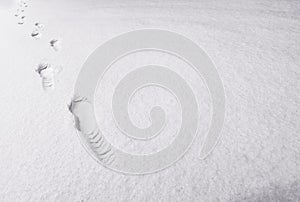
{"x": 20, "y": 12}
{"x": 45, "y": 70}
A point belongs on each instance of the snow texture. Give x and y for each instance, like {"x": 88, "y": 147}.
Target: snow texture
{"x": 255, "y": 47}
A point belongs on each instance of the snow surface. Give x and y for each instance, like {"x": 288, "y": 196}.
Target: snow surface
{"x": 255, "y": 46}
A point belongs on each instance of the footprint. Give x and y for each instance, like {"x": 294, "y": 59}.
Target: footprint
{"x": 39, "y": 25}
{"x": 36, "y": 34}
{"x": 55, "y": 44}
{"x": 48, "y": 74}
{"x": 21, "y": 21}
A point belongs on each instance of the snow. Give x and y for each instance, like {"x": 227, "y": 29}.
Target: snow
{"x": 255, "y": 47}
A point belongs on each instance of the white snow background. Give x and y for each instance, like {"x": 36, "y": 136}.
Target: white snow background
{"x": 255, "y": 46}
